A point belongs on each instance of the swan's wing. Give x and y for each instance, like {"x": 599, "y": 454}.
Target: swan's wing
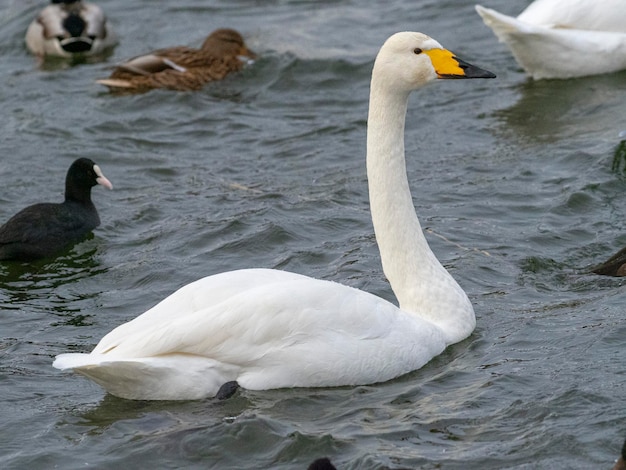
{"x": 297, "y": 332}
{"x": 607, "y": 16}
{"x": 195, "y": 297}
{"x": 226, "y": 305}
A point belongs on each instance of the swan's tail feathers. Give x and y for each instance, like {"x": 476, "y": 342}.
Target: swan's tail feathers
{"x": 77, "y": 361}
{"x": 524, "y": 40}
{"x": 503, "y": 25}
{"x": 167, "y": 377}
{"x": 115, "y": 83}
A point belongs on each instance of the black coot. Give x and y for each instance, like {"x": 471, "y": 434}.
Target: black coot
{"x": 44, "y": 229}
{"x": 322, "y": 464}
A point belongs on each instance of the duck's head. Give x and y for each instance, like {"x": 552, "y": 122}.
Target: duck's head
{"x": 69, "y": 5}
{"x": 227, "y": 42}
{"x": 408, "y": 60}
{"x": 68, "y": 24}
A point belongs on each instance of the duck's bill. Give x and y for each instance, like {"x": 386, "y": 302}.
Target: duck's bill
{"x": 76, "y": 45}
{"x": 248, "y": 53}
{"x": 447, "y": 65}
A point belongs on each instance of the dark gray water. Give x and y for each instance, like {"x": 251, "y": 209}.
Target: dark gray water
{"x": 513, "y": 180}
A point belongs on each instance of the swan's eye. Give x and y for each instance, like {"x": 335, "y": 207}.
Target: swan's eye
{"x": 417, "y": 51}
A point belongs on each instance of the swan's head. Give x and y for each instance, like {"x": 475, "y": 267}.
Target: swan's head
{"x": 409, "y": 60}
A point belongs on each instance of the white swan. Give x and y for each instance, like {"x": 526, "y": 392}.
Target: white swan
{"x": 264, "y": 328}
{"x": 70, "y": 28}
{"x": 564, "y": 38}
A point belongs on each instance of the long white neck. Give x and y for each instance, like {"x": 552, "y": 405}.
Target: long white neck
{"x": 419, "y": 281}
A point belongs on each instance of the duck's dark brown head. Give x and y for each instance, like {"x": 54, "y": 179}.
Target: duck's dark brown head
{"x": 227, "y": 42}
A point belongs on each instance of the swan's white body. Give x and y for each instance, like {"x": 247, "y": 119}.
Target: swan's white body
{"x": 263, "y": 328}
{"x": 564, "y": 38}
{"x": 47, "y": 35}
{"x": 270, "y": 329}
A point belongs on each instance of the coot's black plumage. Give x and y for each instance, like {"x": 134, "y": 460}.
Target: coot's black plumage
{"x": 44, "y": 229}
{"x": 322, "y": 464}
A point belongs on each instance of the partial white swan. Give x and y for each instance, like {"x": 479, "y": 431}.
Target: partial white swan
{"x": 263, "y": 328}
{"x": 564, "y": 38}
{"x": 70, "y": 28}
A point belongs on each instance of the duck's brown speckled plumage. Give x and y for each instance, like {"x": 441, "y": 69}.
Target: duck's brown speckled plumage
{"x": 182, "y": 68}
{"x": 614, "y": 266}
{"x": 621, "y": 462}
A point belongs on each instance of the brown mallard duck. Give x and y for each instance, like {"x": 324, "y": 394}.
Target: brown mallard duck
{"x": 70, "y": 28}
{"x": 182, "y": 68}
{"x": 614, "y": 266}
